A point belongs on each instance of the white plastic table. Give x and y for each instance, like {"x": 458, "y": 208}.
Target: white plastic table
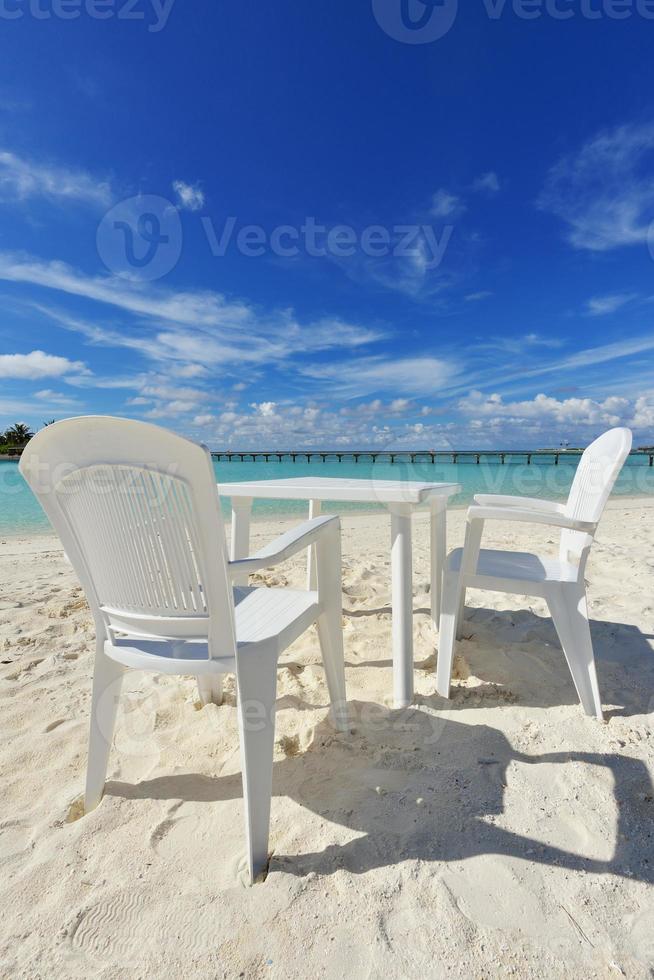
{"x": 401, "y": 499}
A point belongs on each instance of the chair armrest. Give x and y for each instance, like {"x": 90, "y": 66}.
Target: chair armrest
{"x": 285, "y": 546}
{"x": 529, "y": 503}
{"x": 524, "y": 515}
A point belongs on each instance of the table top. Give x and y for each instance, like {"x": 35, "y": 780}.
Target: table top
{"x": 334, "y": 488}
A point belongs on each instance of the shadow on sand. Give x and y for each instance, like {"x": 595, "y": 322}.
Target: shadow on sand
{"x": 418, "y": 785}
{"x": 519, "y": 652}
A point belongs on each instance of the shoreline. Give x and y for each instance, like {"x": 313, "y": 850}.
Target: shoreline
{"x": 617, "y": 501}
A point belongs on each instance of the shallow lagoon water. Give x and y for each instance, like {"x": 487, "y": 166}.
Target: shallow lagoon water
{"x": 20, "y": 512}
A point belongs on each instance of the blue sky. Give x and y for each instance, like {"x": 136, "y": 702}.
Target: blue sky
{"x": 278, "y": 225}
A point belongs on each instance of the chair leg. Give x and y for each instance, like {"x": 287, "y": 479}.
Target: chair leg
{"x": 210, "y": 688}
{"x": 460, "y": 616}
{"x": 469, "y": 560}
{"x": 447, "y": 632}
{"x": 257, "y": 683}
{"x": 107, "y": 680}
{"x": 569, "y": 611}
{"x": 330, "y": 622}
{"x": 330, "y": 634}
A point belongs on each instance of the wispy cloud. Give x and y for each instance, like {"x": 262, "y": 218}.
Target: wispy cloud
{"x": 408, "y": 375}
{"x": 203, "y": 308}
{"x": 190, "y": 197}
{"x": 605, "y": 353}
{"x": 21, "y": 179}
{"x": 519, "y": 344}
{"x": 57, "y": 398}
{"x": 180, "y": 350}
{"x": 605, "y": 191}
{"x": 603, "y": 305}
{"x": 476, "y": 297}
{"x": 488, "y": 183}
{"x": 198, "y": 327}
{"x": 446, "y": 205}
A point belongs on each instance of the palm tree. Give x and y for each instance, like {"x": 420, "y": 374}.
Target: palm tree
{"x": 51, "y": 422}
{"x": 18, "y": 434}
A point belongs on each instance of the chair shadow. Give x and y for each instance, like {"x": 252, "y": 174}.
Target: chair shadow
{"x": 518, "y": 657}
{"x": 519, "y": 652}
{"x": 414, "y": 785}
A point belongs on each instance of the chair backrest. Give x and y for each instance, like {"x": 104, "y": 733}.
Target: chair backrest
{"x": 596, "y": 474}
{"x": 137, "y": 510}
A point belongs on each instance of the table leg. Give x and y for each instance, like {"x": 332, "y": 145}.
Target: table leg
{"x": 402, "y": 596}
{"x": 438, "y": 551}
{"x": 315, "y": 509}
{"x": 241, "y": 511}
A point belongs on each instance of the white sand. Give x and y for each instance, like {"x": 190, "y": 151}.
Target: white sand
{"x": 503, "y": 832}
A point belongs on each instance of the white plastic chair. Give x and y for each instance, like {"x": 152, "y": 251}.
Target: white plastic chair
{"x": 559, "y": 581}
{"x": 138, "y": 513}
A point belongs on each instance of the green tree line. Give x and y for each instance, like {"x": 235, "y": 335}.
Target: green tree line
{"x": 16, "y": 436}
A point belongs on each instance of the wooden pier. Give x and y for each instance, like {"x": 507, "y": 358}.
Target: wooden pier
{"x": 419, "y": 456}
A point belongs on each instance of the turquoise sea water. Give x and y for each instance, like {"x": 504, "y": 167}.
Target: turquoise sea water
{"x": 20, "y": 513}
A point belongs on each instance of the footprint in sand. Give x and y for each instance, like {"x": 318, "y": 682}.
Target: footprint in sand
{"x": 117, "y": 930}
{"x": 639, "y": 941}
{"x": 14, "y": 838}
{"x": 186, "y": 840}
{"x": 489, "y": 893}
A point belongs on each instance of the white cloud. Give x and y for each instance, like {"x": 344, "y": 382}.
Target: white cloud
{"x": 605, "y": 191}
{"x": 446, "y": 205}
{"x": 475, "y": 297}
{"x": 56, "y": 398}
{"x": 489, "y": 183}
{"x": 190, "y": 197}
{"x": 191, "y": 371}
{"x": 603, "y": 305}
{"x": 21, "y": 179}
{"x": 193, "y": 328}
{"x": 266, "y": 409}
{"x": 168, "y": 392}
{"x": 408, "y": 375}
{"x": 529, "y": 368}
{"x": 520, "y": 344}
{"x": 38, "y": 364}
{"x": 200, "y": 307}
{"x": 606, "y": 352}
{"x": 572, "y": 411}
{"x": 171, "y": 409}
{"x": 483, "y": 422}
{"x": 643, "y": 417}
